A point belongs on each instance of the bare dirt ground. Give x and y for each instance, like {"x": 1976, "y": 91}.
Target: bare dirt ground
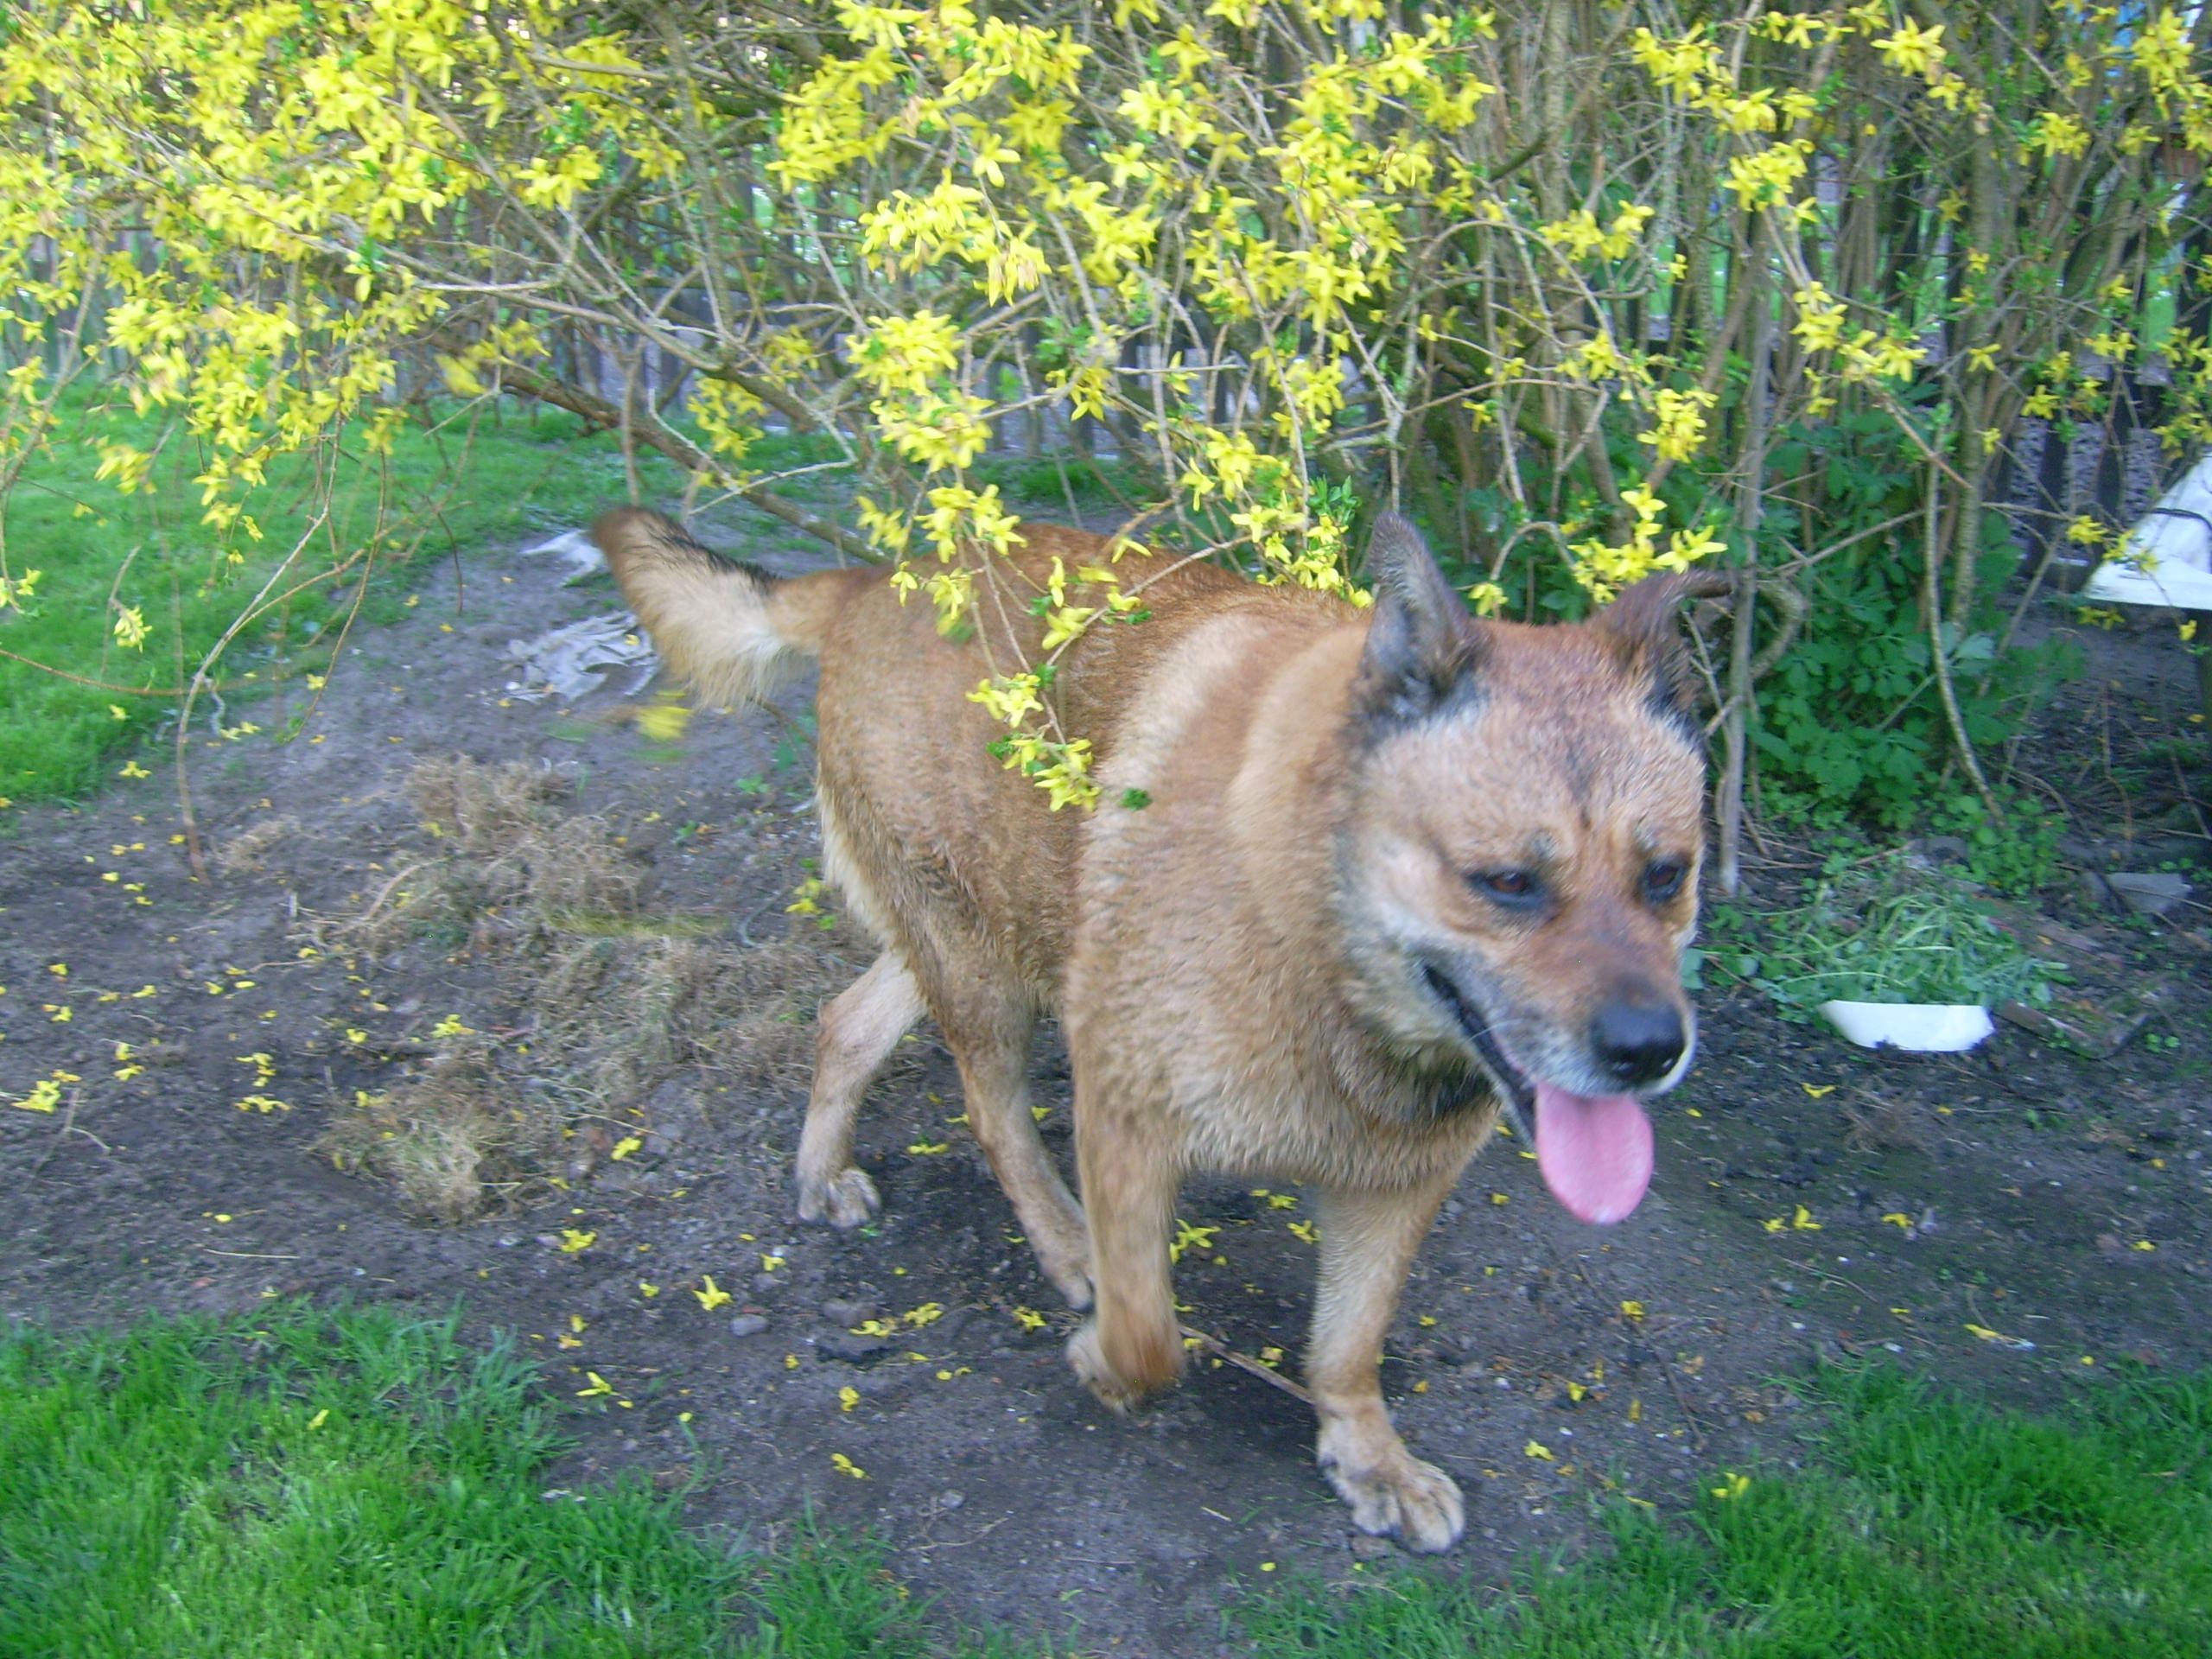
{"x": 1811, "y": 1200}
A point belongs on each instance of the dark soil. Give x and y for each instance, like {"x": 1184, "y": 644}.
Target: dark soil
{"x": 1812, "y": 1199}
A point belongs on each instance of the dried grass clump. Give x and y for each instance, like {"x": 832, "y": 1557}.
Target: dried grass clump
{"x": 451, "y": 1136}
{"x": 1877, "y": 1122}
{"x": 506, "y": 862}
{"x": 624, "y": 1012}
{"x": 483, "y": 810}
{"x": 243, "y": 853}
{"x": 616, "y": 998}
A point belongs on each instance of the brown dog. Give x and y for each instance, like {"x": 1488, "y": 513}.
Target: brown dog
{"x": 1357, "y": 880}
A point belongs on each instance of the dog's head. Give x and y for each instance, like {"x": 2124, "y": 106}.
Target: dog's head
{"x": 1519, "y": 859}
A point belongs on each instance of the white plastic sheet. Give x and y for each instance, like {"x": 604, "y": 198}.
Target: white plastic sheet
{"x": 567, "y": 663}
{"x": 1923, "y": 1028}
{"x": 2166, "y": 560}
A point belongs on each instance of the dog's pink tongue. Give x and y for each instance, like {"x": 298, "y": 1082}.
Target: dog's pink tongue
{"x": 1595, "y": 1151}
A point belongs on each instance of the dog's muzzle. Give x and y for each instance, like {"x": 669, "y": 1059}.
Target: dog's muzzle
{"x": 1595, "y": 1150}
{"x": 1515, "y": 1089}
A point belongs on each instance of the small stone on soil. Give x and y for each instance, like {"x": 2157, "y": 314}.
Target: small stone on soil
{"x": 748, "y": 1325}
{"x": 2156, "y": 893}
{"x": 849, "y": 1311}
{"x": 851, "y": 1349}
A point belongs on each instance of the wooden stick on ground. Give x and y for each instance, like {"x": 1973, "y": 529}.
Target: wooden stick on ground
{"x": 1215, "y": 1348}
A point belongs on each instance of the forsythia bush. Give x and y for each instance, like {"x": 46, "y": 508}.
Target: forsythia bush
{"x": 1595, "y": 288}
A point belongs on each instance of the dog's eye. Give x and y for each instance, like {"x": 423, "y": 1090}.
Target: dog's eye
{"x": 1514, "y": 889}
{"x": 1662, "y": 879}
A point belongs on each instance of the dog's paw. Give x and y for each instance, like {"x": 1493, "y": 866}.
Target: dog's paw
{"x": 846, "y": 1199}
{"x": 1116, "y": 1388}
{"x": 1401, "y": 1496}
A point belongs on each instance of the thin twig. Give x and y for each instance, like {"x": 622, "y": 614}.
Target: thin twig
{"x": 1932, "y": 602}
{"x": 957, "y": 1543}
{"x": 1683, "y": 1402}
{"x": 68, "y": 1127}
{"x": 1218, "y": 1348}
{"x": 385, "y": 891}
{"x": 97, "y": 685}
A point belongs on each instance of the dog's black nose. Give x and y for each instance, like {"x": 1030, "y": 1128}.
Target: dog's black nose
{"x": 1637, "y": 1042}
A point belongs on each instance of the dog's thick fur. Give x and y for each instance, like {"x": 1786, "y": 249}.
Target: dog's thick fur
{"x": 1393, "y": 866}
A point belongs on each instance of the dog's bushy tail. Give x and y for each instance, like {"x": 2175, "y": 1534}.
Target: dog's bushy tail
{"x": 732, "y": 630}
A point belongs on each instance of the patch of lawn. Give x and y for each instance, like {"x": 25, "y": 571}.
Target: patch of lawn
{"x": 1934, "y": 1527}
{"x": 443, "y": 488}
{"x": 331, "y": 1484}
{"x": 328, "y": 1485}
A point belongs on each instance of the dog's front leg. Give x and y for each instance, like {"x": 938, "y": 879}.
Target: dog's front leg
{"x": 859, "y": 1028}
{"x": 1130, "y": 1173}
{"x": 1368, "y": 1239}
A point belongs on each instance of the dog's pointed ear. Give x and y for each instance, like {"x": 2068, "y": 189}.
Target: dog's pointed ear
{"x": 1644, "y": 626}
{"x": 1421, "y": 644}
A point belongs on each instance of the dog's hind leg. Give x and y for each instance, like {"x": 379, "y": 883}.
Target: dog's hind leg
{"x": 1368, "y": 1239}
{"x": 859, "y": 1028}
{"x": 987, "y": 1028}
{"x": 1133, "y": 1347}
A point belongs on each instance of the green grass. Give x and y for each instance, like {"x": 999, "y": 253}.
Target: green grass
{"x": 353, "y": 1483}
{"x": 446, "y": 488}
{"x": 1047, "y": 482}
{"x": 324, "y": 1485}
{"x": 1933, "y": 1528}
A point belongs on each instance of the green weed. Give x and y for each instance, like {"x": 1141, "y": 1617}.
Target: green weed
{"x": 1879, "y": 930}
{"x": 1851, "y": 721}
{"x": 2018, "y": 854}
